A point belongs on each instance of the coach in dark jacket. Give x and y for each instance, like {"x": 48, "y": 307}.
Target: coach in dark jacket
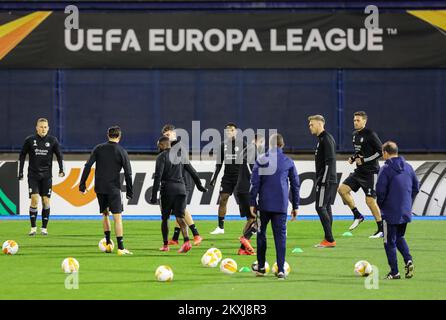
{"x": 396, "y": 188}
{"x": 269, "y": 184}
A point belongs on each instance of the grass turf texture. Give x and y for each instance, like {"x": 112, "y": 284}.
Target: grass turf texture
{"x": 35, "y": 272}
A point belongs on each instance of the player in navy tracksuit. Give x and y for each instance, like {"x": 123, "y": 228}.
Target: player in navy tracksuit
{"x": 269, "y": 194}
{"x": 396, "y": 188}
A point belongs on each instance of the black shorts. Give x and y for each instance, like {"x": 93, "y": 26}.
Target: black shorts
{"x": 367, "y": 182}
{"x": 243, "y": 186}
{"x": 41, "y": 186}
{"x": 111, "y": 202}
{"x": 228, "y": 184}
{"x": 173, "y": 204}
{"x": 326, "y": 194}
{"x": 243, "y": 204}
{"x": 189, "y": 193}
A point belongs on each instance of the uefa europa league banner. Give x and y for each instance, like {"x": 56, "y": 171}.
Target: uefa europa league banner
{"x": 67, "y": 200}
{"x": 45, "y": 39}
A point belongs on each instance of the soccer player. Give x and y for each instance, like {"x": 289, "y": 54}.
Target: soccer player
{"x": 270, "y": 177}
{"x": 40, "y": 147}
{"x": 326, "y": 180}
{"x": 250, "y": 154}
{"x": 110, "y": 158}
{"x": 367, "y": 152}
{"x": 396, "y": 189}
{"x": 230, "y": 154}
{"x": 169, "y": 174}
{"x": 169, "y": 131}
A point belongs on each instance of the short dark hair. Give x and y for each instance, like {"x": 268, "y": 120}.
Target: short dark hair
{"x": 361, "y": 114}
{"x": 167, "y": 127}
{"x": 163, "y": 139}
{"x": 276, "y": 140}
{"x": 231, "y": 124}
{"x": 114, "y": 132}
{"x": 390, "y": 147}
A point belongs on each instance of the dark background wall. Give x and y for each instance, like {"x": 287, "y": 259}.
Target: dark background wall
{"x": 408, "y": 106}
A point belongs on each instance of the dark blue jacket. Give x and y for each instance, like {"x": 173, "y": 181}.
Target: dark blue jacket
{"x": 269, "y": 182}
{"x": 396, "y": 189}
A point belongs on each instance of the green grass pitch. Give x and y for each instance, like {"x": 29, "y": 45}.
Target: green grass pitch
{"x": 35, "y": 272}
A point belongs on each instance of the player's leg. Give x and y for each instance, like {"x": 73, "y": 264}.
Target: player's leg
{"x": 331, "y": 201}
{"x": 116, "y": 208}
{"x": 369, "y": 187}
{"x": 165, "y": 231}
{"x": 390, "y": 234}
{"x": 403, "y": 248}
{"x": 373, "y": 206}
{"x": 33, "y": 211}
{"x": 45, "y": 215}
{"x": 176, "y": 235}
{"x": 179, "y": 209}
{"x": 190, "y": 222}
{"x": 351, "y": 184}
{"x": 278, "y": 223}
{"x": 45, "y": 193}
{"x": 34, "y": 203}
{"x": 106, "y": 225}
{"x": 224, "y": 196}
{"x": 248, "y": 230}
{"x": 264, "y": 218}
{"x": 330, "y": 215}
{"x": 166, "y": 209}
{"x": 103, "y": 209}
{"x": 322, "y": 201}
{"x": 192, "y": 227}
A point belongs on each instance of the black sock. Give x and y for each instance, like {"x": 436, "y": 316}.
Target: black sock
{"x": 120, "y": 243}
{"x": 165, "y": 229}
{"x": 186, "y": 239}
{"x": 176, "y": 233}
{"x": 356, "y": 213}
{"x": 165, "y": 242}
{"x": 242, "y": 247}
{"x": 33, "y": 216}
{"x": 221, "y": 222}
{"x": 45, "y": 217}
{"x": 194, "y": 230}
{"x": 107, "y": 236}
{"x": 380, "y": 225}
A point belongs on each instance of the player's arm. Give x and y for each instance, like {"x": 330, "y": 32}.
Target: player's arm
{"x": 219, "y": 165}
{"x": 159, "y": 169}
{"x": 415, "y": 184}
{"x": 330, "y": 156}
{"x": 352, "y": 159}
{"x": 293, "y": 177}
{"x": 250, "y": 156}
{"x": 22, "y": 157}
{"x": 59, "y": 157}
{"x": 86, "y": 171}
{"x": 188, "y": 167}
{"x": 376, "y": 144}
{"x": 255, "y": 187}
{"x": 382, "y": 187}
{"x": 127, "y": 174}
